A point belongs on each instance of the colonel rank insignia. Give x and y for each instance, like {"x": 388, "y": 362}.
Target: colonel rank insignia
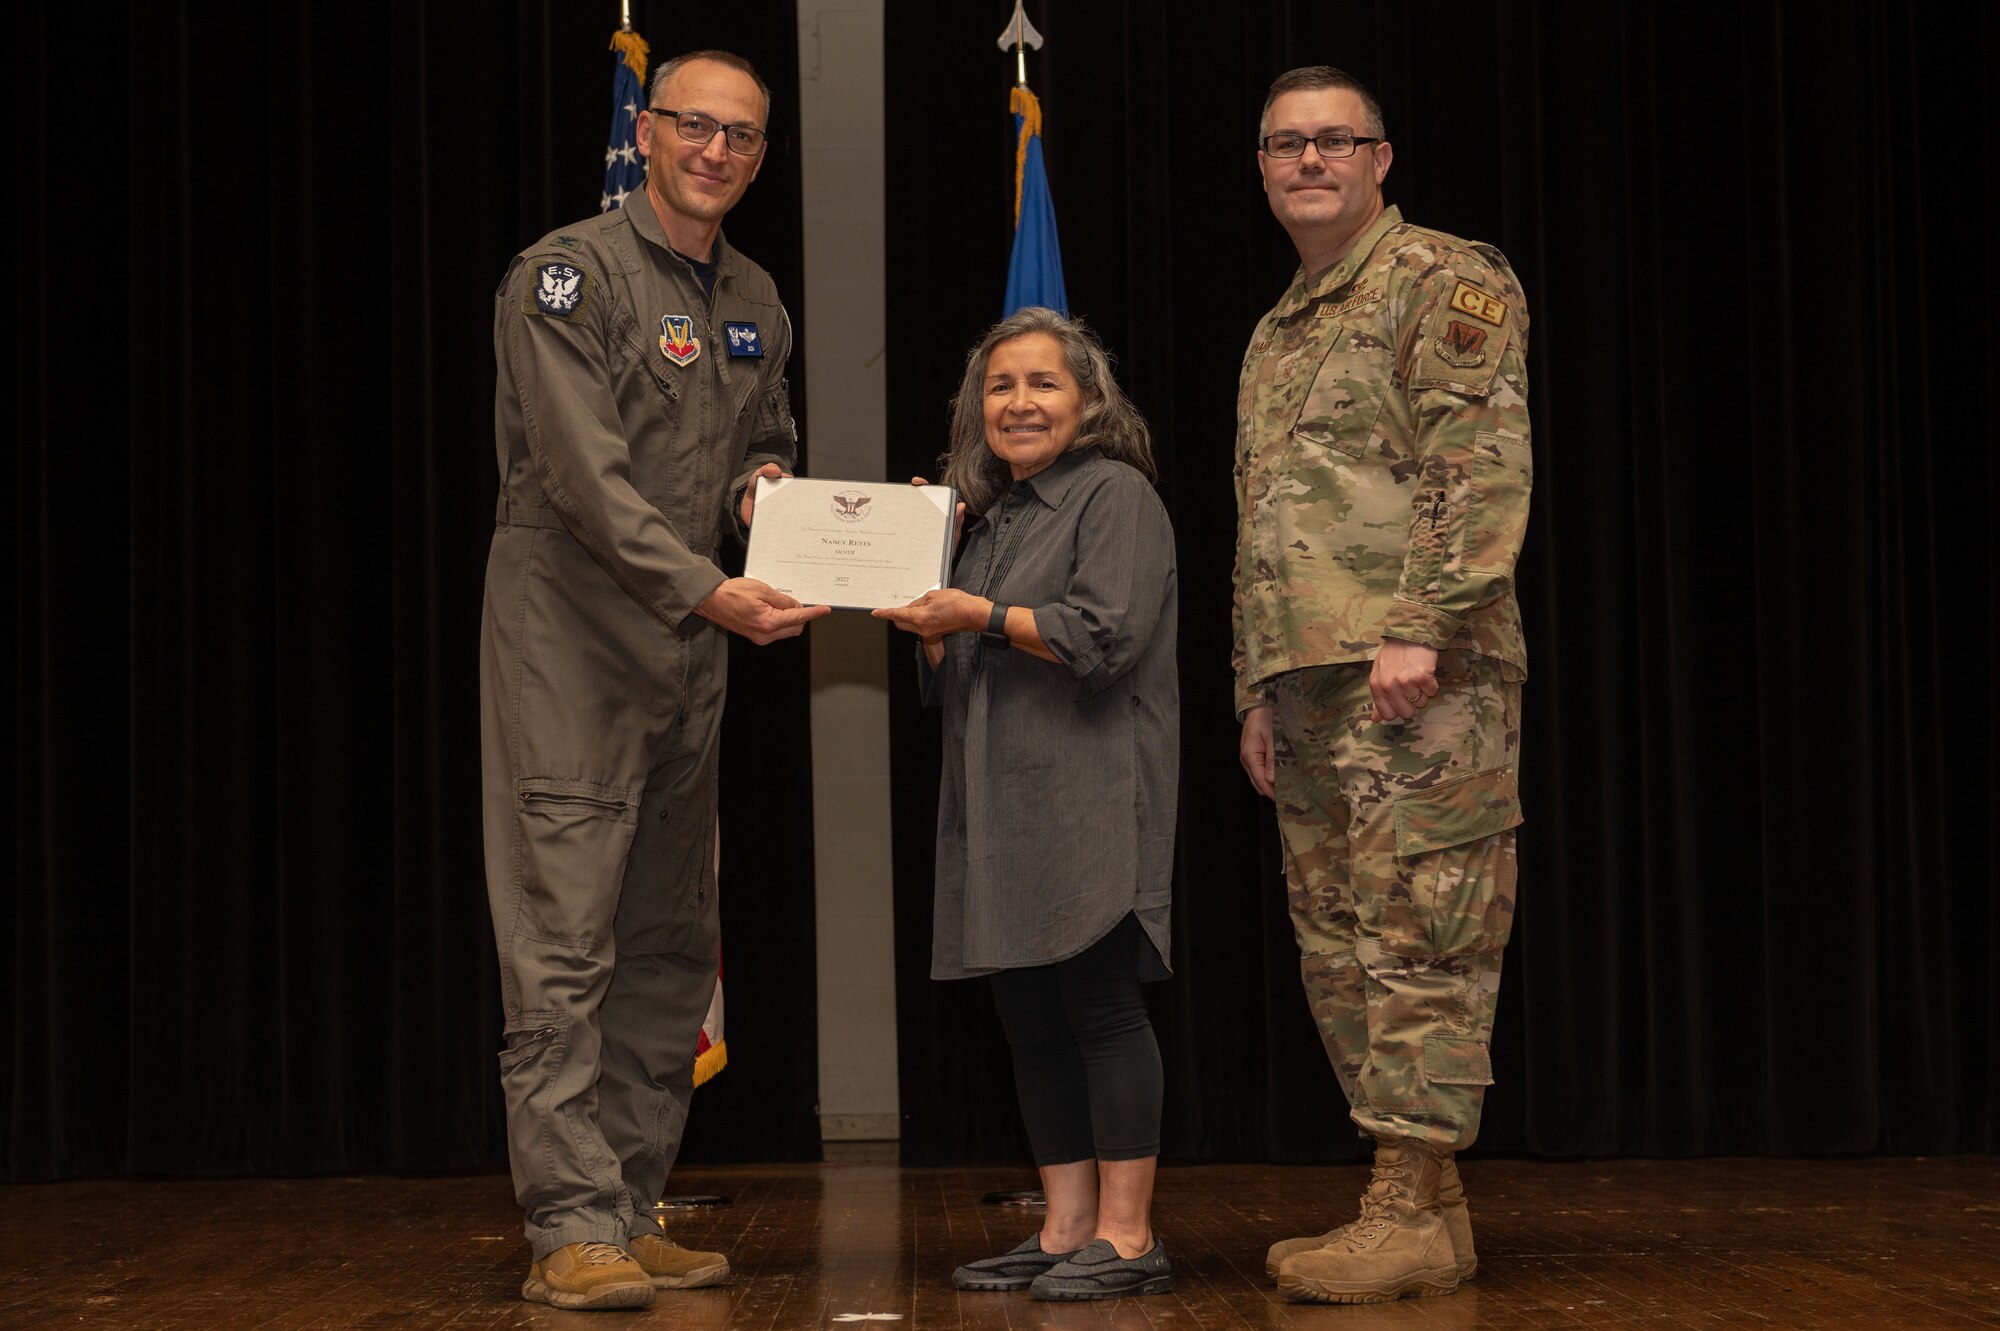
{"x": 561, "y": 291}
{"x": 677, "y": 340}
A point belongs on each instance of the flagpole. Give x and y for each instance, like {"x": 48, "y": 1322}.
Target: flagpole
{"x": 624, "y": 15}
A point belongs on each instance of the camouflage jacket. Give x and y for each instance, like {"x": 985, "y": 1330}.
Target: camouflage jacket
{"x": 1382, "y": 459}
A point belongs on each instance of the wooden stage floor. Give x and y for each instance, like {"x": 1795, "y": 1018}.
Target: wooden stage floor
{"x": 1651, "y": 1245}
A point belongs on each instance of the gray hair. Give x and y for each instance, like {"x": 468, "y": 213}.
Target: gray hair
{"x": 669, "y": 68}
{"x": 1310, "y": 77}
{"x": 1109, "y": 421}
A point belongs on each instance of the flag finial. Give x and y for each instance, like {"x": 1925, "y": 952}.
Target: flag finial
{"x": 1018, "y": 36}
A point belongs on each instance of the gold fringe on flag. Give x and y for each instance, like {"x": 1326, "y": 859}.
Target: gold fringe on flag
{"x": 710, "y": 1061}
{"x": 1022, "y": 103}
{"x": 633, "y": 47}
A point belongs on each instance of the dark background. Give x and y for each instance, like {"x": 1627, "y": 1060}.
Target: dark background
{"x": 255, "y": 252}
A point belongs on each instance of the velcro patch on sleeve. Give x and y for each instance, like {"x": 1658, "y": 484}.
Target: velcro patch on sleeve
{"x": 1469, "y": 299}
{"x": 558, "y": 291}
{"x": 1458, "y": 353}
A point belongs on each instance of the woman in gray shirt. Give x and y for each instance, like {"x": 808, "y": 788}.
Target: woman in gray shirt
{"x": 1053, "y": 654}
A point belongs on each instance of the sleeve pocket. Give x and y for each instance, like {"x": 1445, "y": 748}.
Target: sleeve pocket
{"x": 1503, "y": 472}
{"x": 1454, "y": 812}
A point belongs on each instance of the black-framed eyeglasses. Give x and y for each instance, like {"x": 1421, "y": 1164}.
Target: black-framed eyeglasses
{"x": 743, "y": 140}
{"x": 1326, "y": 145}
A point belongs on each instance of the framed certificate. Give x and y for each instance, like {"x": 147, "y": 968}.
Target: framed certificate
{"x": 856, "y": 545}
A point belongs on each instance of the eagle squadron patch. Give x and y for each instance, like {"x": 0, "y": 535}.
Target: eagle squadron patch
{"x": 561, "y": 291}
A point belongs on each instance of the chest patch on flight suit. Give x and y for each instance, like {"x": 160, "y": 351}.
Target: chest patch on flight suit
{"x": 560, "y": 291}
{"x": 744, "y": 339}
{"x": 677, "y": 340}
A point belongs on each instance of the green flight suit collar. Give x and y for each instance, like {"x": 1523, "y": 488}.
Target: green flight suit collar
{"x": 639, "y": 210}
{"x": 1304, "y": 291}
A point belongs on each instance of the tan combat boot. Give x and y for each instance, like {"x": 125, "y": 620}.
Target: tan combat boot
{"x": 1399, "y": 1246}
{"x": 673, "y": 1267}
{"x": 1457, "y": 1219}
{"x": 588, "y": 1275}
{"x": 1451, "y": 1199}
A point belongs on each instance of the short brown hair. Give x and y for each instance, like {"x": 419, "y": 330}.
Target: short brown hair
{"x": 736, "y": 62}
{"x": 1308, "y": 77}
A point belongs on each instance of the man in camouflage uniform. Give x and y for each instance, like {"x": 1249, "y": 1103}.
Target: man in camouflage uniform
{"x": 1382, "y": 476}
{"x": 641, "y": 387}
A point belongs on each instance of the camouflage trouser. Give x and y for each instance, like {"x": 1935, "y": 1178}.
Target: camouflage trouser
{"x": 1399, "y": 852}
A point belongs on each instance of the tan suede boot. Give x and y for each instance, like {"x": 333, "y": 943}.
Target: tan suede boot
{"x": 1397, "y": 1248}
{"x": 588, "y": 1275}
{"x": 1451, "y": 1200}
{"x": 1457, "y": 1220}
{"x": 673, "y": 1267}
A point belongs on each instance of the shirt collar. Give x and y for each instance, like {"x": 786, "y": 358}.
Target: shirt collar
{"x": 1304, "y": 290}
{"x": 638, "y": 209}
{"x": 1052, "y": 483}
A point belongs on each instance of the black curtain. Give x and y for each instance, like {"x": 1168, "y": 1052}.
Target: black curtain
{"x": 1757, "y": 874}
{"x": 256, "y": 249}
{"x": 246, "y": 928}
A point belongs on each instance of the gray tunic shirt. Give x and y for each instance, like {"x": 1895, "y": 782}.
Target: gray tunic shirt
{"x": 1056, "y": 808}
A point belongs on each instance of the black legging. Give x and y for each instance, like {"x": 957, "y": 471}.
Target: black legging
{"x": 1086, "y": 1066}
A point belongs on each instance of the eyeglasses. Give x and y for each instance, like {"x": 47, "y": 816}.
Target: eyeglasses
{"x": 1327, "y": 145}
{"x": 743, "y": 140}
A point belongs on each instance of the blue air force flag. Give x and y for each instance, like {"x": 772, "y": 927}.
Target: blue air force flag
{"x": 624, "y": 169}
{"x": 1034, "y": 273}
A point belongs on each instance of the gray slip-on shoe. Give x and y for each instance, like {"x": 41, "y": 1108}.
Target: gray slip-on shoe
{"x": 1098, "y": 1272}
{"x": 1010, "y": 1270}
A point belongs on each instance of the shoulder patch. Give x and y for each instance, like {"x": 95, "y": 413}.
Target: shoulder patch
{"x": 1469, "y": 299}
{"x": 1459, "y": 353}
{"x": 558, "y": 291}
{"x": 569, "y": 242}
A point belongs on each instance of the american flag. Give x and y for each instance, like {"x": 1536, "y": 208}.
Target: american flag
{"x": 624, "y": 169}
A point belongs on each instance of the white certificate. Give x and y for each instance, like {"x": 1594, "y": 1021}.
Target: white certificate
{"x": 855, "y": 545}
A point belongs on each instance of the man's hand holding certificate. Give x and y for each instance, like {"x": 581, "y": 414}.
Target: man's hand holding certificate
{"x": 851, "y": 544}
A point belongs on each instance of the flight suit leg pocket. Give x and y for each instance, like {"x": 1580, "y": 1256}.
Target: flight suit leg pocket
{"x": 537, "y": 1045}
{"x": 573, "y": 840}
{"x": 671, "y": 909}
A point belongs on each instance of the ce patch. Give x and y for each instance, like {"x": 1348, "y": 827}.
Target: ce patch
{"x": 1469, "y": 299}
{"x": 559, "y": 291}
{"x": 744, "y": 339}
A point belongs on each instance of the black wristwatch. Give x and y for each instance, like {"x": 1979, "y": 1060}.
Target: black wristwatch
{"x": 996, "y": 627}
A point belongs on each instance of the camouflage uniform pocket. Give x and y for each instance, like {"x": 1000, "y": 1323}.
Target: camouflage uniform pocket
{"x": 1341, "y": 406}
{"x": 1503, "y": 471}
{"x": 1453, "y": 1060}
{"x": 1455, "y": 812}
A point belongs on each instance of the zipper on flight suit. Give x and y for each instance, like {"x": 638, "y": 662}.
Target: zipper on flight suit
{"x": 591, "y": 801}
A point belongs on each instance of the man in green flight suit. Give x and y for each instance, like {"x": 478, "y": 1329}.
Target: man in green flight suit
{"x": 1382, "y": 477}
{"x": 641, "y": 390}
